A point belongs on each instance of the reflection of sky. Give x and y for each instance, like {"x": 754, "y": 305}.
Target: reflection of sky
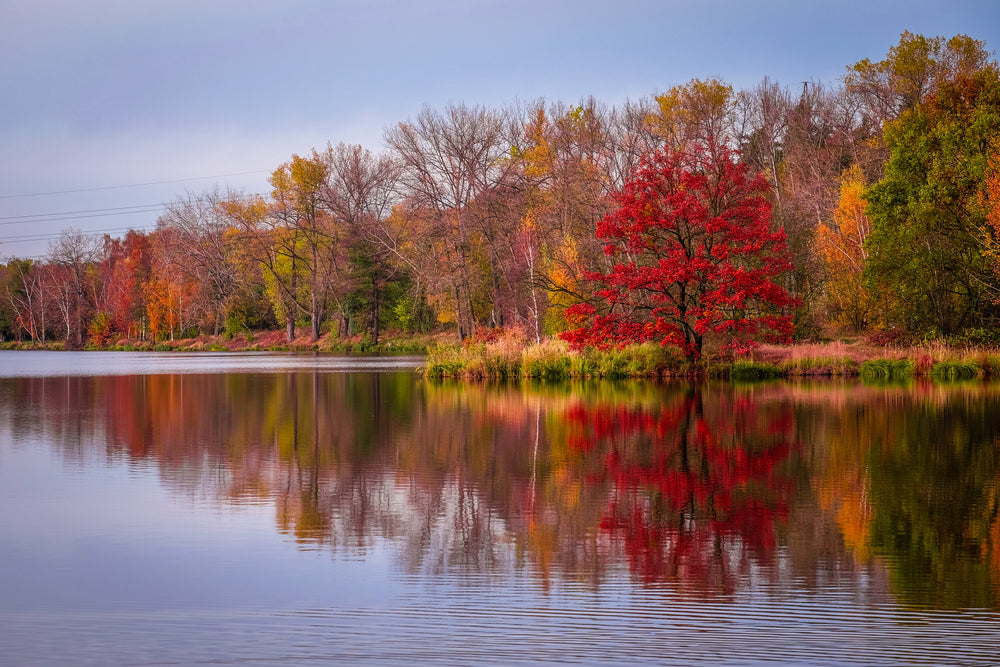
{"x": 111, "y": 537}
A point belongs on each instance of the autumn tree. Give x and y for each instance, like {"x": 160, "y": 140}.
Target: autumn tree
{"x": 123, "y": 273}
{"x": 76, "y": 256}
{"x": 27, "y": 300}
{"x": 195, "y": 237}
{"x": 912, "y": 71}
{"x": 697, "y": 257}
{"x": 164, "y": 304}
{"x": 359, "y": 193}
{"x": 449, "y": 160}
{"x": 567, "y": 159}
{"x": 312, "y": 240}
{"x": 299, "y": 246}
{"x": 261, "y": 252}
{"x": 924, "y": 249}
{"x": 819, "y": 144}
{"x": 842, "y": 246}
{"x": 701, "y": 112}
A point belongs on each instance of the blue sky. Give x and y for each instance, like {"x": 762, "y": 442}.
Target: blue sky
{"x": 104, "y": 95}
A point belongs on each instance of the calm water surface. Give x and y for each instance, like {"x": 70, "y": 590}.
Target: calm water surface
{"x": 225, "y": 509}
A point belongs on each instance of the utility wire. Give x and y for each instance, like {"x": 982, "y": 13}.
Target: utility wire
{"x": 131, "y": 185}
{"x": 24, "y": 218}
{"x": 80, "y": 217}
{"x": 92, "y": 213}
{"x": 54, "y": 235}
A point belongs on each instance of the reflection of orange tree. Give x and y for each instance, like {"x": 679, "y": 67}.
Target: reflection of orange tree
{"x": 695, "y": 487}
{"x": 294, "y": 438}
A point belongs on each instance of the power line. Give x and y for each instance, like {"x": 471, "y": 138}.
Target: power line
{"x": 97, "y": 214}
{"x": 89, "y": 210}
{"x": 92, "y": 213}
{"x": 54, "y": 235}
{"x": 131, "y": 185}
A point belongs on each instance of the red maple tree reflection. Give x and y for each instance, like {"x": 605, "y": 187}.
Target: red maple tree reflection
{"x": 692, "y": 497}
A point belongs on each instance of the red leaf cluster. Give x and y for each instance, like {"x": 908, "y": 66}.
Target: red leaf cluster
{"x": 696, "y": 255}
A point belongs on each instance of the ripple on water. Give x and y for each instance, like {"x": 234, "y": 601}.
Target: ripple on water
{"x": 510, "y": 630}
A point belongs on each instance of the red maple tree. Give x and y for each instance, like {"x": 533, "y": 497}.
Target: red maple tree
{"x": 697, "y": 255}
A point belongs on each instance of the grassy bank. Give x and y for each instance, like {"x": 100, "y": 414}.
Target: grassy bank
{"x": 511, "y": 357}
{"x": 550, "y": 360}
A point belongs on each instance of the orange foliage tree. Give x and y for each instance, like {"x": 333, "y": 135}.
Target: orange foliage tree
{"x": 842, "y": 247}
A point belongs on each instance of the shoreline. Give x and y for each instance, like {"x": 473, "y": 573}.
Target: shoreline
{"x": 508, "y": 358}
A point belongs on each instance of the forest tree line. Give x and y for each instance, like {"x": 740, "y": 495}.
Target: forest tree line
{"x": 887, "y": 187}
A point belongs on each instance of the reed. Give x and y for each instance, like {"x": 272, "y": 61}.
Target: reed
{"x": 549, "y": 360}
{"x": 828, "y": 366}
{"x": 444, "y": 361}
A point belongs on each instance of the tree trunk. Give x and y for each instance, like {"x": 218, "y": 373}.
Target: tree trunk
{"x": 375, "y": 308}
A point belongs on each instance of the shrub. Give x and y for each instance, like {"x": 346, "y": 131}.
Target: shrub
{"x": 990, "y": 364}
{"x": 752, "y": 371}
{"x": 889, "y": 338}
{"x": 977, "y": 337}
{"x": 546, "y": 361}
{"x": 444, "y": 361}
{"x": 955, "y": 370}
{"x": 887, "y": 369}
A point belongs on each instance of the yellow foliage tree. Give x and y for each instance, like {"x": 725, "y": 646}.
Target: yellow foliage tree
{"x": 163, "y": 307}
{"x": 842, "y": 247}
{"x": 697, "y": 111}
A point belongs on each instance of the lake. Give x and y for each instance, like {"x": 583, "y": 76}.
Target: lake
{"x": 301, "y": 508}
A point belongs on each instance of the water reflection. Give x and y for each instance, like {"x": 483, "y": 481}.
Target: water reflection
{"x": 696, "y": 485}
{"x": 707, "y": 490}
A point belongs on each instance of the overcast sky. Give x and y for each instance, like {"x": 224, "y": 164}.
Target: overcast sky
{"x": 109, "y": 104}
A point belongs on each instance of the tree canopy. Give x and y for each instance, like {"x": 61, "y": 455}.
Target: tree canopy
{"x": 867, "y": 206}
{"x": 696, "y": 255}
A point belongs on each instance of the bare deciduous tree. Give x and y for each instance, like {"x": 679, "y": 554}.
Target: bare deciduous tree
{"x": 449, "y": 160}
{"x": 76, "y": 253}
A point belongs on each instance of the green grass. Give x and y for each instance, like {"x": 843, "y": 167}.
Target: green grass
{"x": 550, "y": 360}
{"x": 546, "y": 361}
{"x": 752, "y": 371}
{"x": 955, "y": 370}
{"x": 444, "y": 361}
{"x": 883, "y": 370}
